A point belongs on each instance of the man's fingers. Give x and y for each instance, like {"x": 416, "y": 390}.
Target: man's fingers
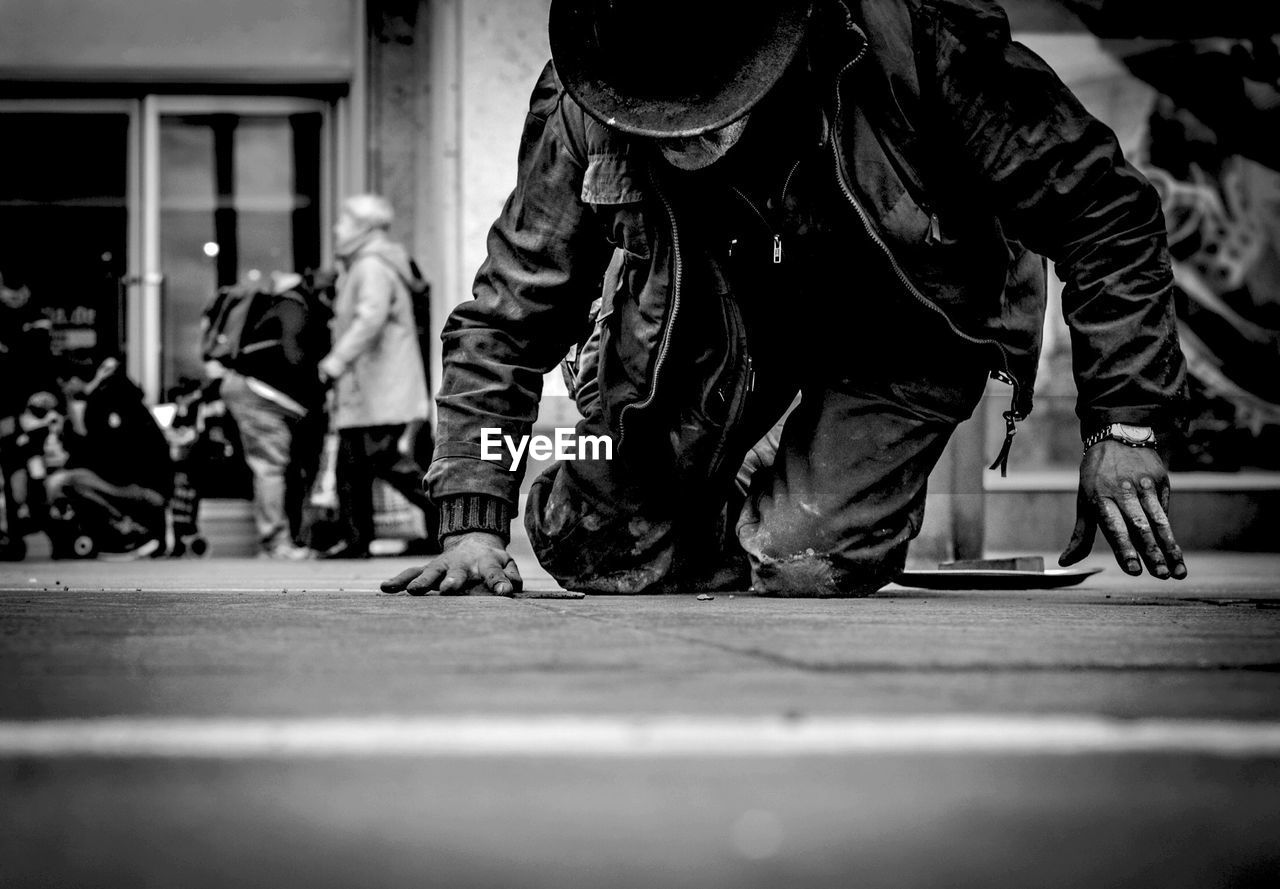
{"x": 513, "y": 574}
{"x": 400, "y": 582}
{"x": 1156, "y": 506}
{"x": 496, "y": 580}
{"x": 427, "y": 578}
{"x": 455, "y": 581}
{"x": 460, "y": 569}
{"x": 1141, "y": 535}
{"x": 1081, "y": 542}
{"x": 1117, "y": 534}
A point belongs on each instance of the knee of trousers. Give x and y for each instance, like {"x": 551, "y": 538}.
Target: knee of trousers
{"x": 590, "y": 546}
{"x": 825, "y": 575}
{"x": 805, "y": 556}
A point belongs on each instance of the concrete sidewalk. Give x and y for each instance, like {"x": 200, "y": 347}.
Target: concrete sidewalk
{"x": 223, "y": 637}
{"x": 263, "y": 652}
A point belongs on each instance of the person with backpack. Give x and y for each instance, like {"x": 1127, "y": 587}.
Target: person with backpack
{"x": 269, "y": 384}
{"x": 377, "y": 372}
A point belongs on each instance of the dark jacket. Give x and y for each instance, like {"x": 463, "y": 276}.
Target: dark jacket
{"x": 963, "y": 155}
{"x": 293, "y": 344}
{"x": 122, "y": 442}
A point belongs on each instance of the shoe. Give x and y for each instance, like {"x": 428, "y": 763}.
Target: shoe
{"x": 288, "y": 552}
{"x": 132, "y": 548}
{"x": 346, "y": 550}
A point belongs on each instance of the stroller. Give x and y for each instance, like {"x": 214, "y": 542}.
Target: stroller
{"x": 203, "y": 443}
{"x": 182, "y": 532}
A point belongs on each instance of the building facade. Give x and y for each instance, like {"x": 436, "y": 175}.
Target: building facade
{"x": 154, "y": 150}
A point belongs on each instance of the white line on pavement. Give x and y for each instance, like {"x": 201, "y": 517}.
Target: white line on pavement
{"x": 622, "y": 736}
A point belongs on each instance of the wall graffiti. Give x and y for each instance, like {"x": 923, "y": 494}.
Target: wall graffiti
{"x": 1219, "y": 179}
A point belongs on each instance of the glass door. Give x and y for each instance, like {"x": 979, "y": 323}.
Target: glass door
{"x": 235, "y": 189}
{"x": 66, "y": 211}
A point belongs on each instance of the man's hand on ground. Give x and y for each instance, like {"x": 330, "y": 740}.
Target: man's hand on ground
{"x": 1126, "y": 491}
{"x": 475, "y": 559}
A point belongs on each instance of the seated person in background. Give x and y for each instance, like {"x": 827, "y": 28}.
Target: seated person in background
{"x": 274, "y": 393}
{"x": 119, "y": 475}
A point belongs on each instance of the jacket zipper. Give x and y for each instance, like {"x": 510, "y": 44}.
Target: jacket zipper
{"x": 934, "y": 237}
{"x": 739, "y": 405}
{"x": 665, "y": 345}
{"x": 1004, "y": 375}
{"x": 777, "y": 236}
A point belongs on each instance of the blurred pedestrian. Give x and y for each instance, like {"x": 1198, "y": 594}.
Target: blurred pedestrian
{"x": 272, "y": 391}
{"x": 377, "y": 372}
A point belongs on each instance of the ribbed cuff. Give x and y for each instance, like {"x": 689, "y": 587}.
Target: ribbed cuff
{"x": 475, "y": 512}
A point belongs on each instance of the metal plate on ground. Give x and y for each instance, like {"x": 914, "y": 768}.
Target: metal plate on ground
{"x": 1050, "y": 578}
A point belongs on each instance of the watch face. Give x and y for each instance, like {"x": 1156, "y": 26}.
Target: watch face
{"x": 1135, "y": 434}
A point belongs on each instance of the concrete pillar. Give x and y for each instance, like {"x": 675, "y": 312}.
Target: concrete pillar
{"x": 394, "y": 78}
{"x": 447, "y": 88}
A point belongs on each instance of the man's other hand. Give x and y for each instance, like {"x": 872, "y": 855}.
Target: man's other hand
{"x": 1125, "y": 490}
{"x": 468, "y": 560}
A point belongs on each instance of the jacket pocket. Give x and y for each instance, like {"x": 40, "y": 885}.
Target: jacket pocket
{"x": 612, "y": 185}
{"x": 612, "y": 178}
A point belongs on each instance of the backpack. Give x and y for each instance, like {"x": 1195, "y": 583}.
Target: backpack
{"x": 226, "y": 320}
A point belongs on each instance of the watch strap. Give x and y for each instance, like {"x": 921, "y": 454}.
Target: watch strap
{"x": 1106, "y": 433}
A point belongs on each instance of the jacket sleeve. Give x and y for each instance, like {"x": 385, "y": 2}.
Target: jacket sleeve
{"x": 531, "y": 299}
{"x": 374, "y": 287}
{"x": 1062, "y": 187}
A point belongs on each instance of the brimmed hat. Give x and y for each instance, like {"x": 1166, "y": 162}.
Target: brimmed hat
{"x": 672, "y": 68}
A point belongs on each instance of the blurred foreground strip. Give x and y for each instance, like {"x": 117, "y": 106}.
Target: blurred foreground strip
{"x": 605, "y": 737}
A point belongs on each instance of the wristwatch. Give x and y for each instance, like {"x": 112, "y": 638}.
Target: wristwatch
{"x": 1133, "y": 436}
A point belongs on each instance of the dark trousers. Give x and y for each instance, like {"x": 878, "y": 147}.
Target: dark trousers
{"x": 304, "y": 466}
{"x": 366, "y": 453}
{"x": 829, "y": 514}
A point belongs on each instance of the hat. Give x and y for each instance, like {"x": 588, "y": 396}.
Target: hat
{"x": 673, "y": 68}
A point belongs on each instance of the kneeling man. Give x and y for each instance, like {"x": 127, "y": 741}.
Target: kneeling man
{"x": 829, "y": 217}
